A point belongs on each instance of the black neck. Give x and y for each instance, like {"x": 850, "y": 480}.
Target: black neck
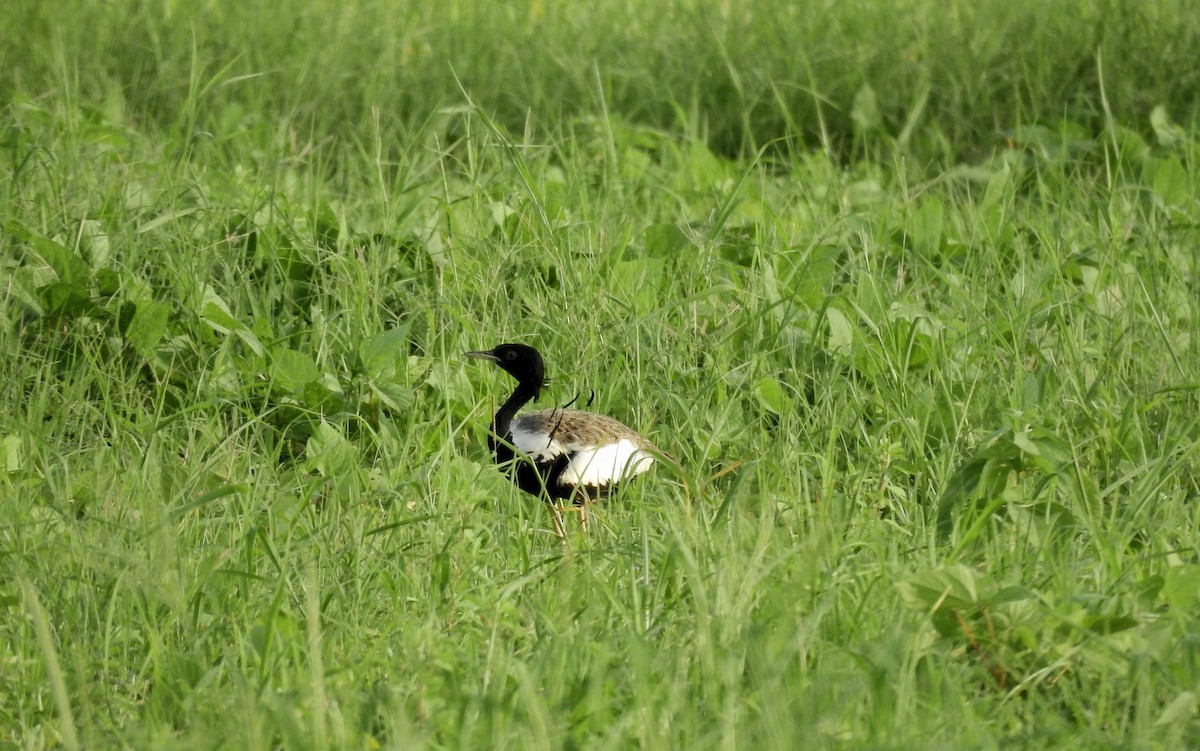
{"x": 523, "y": 393}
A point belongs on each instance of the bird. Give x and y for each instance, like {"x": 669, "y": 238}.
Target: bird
{"x": 559, "y": 454}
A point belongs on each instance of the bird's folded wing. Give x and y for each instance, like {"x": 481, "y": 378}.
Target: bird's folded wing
{"x": 599, "y": 450}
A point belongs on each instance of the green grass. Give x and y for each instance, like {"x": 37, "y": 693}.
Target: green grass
{"x": 916, "y": 316}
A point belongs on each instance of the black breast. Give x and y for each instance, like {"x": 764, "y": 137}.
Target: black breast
{"x": 538, "y": 478}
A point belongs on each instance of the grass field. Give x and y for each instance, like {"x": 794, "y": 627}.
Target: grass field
{"x": 909, "y": 289}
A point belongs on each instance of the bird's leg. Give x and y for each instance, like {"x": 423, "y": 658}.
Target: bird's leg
{"x": 556, "y": 512}
{"x": 579, "y": 504}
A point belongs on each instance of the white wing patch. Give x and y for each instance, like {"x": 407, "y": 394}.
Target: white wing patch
{"x": 595, "y": 466}
{"x": 536, "y": 443}
{"x": 607, "y": 464}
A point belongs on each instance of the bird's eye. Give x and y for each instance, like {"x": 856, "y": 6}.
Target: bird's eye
{"x": 510, "y": 355}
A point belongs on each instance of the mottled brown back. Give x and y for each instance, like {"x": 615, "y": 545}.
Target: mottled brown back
{"x": 577, "y": 429}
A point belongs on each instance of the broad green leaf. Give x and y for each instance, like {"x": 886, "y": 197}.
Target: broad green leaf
{"x": 504, "y": 216}
{"x": 980, "y": 480}
{"x": 416, "y": 368}
{"x": 1179, "y": 710}
{"x": 12, "y": 454}
{"x": 394, "y": 396}
{"x": 327, "y": 225}
{"x": 926, "y": 226}
{"x": 949, "y": 587}
{"x": 1049, "y": 452}
{"x": 329, "y": 453}
{"x": 324, "y": 394}
{"x": 1110, "y": 624}
{"x": 67, "y": 265}
{"x": 705, "y": 170}
{"x": 1181, "y": 590}
{"x": 96, "y": 239}
{"x": 1129, "y": 144}
{"x": 215, "y": 312}
{"x": 999, "y": 188}
{"x": 664, "y": 240}
{"x": 864, "y": 111}
{"x": 66, "y": 299}
{"x": 292, "y": 370}
{"x": 922, "y": 319}
{"x": 640, "y": 279}
{"x": 739, "y": 245}
{"x": 865, "y": 194}
{"x": 873, "y": 299}
{"x": 148, "y": 326}
{"x": 108, "y": 282}
{"x": 1168, "y": 133}
{"x": 964, "y": 482}
{"x": 841, "y": 331}
{"x": 1011, "y": 594}
{"x": 1169, "y": 180}
{"x": 809, "y": 277}
{"x": 380, "y": 353}
{"x": 251, "y": 340}
{"x": 772, "y": 396}
{"x": 161, "y": 219}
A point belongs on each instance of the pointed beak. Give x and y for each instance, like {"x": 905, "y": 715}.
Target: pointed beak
{"x": 483, "y": 356}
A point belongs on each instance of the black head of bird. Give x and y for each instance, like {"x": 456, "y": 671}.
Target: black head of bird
{"x": 561, "y": 453}
{"x": 520, "y": 361}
